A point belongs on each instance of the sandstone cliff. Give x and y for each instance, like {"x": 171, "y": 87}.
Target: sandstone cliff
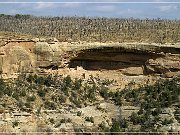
{"x": 38, "y": 55}
{"x": 102, "y": 71}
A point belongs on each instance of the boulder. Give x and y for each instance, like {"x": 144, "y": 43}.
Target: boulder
{"x": 172, "y": 74}
{"x": 35, "y": 39}
{"x": 133, "y": 71}
{"x": 168, "y": 65}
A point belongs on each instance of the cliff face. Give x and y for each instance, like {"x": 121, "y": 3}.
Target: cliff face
{"x": 27, "y": 57}
{"x": 41, "y": 55}
{"x": 16, "y": 57}
{"x": 96, "y": 69}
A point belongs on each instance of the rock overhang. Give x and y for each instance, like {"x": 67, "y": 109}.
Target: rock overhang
{"x": 143, "y": 57}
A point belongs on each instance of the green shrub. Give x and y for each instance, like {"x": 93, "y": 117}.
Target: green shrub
{"x": 90, "y": 119}
{"x": 156, "y": 112}
{"x": 49, "y": 105}
{"x": 15, "y": 123}
{"x": 77, "y": 84}
{"x": 41, "y": 93}
{"x": 22, "y": 93}
{"x": 39, "y": 80}
{"x": 20, "y": 104}
{"x": 177, "y": 114}
{"x": 63, "y": 121}
{"x": 78, "y": 103}
{"x": 134, "y": 118}
{"x": 67, "y": 81}
{"x": 2, "y": 87}
{"x": 30, "y": 78}
{"x": 79, "y": 113}
{"x": 115, "y": 127}
{"x": 166, "y": 121}
{"x": 52, "y": 120}
{"x": 124, "y": 123}
{"x": 28, "y": 105}
{"x": 104, "y": 92}
{"x": 1, "y": 94}
{"x": 118, "y": 100}
{"x": 68, "y": 120}
{"x": 8, "y": 91}
{"x": 48, "y": 81}
{"x": 15, "y": 95}
{"x": 62, "y": 99}
{"x": 31, "y": 98}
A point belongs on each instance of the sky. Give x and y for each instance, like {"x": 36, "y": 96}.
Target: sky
{"x": 102, "y": 8}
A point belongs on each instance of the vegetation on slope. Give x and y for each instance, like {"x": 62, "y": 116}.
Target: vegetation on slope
{"x": 153, "y": 101}
{"x": 94, "y": 29}
{"x": 52, "y": 92}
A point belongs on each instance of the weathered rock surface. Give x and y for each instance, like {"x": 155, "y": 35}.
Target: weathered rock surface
{"x": 168, "y": 65}
{"x": 40, "y": 55}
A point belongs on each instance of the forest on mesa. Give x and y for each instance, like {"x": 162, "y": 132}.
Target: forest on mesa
{"x": 94, "y": 29}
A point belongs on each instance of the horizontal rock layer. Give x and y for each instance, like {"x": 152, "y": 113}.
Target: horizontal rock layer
{"x": 38, "y": 56}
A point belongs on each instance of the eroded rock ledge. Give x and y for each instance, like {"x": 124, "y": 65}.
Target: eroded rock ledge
{"x": 42, "y": 55}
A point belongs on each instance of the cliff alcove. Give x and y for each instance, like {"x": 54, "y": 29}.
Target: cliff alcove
{"x": 109, "y": 58}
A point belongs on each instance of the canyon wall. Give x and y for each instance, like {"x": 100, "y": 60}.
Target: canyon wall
{"x": 41, "y": 55}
